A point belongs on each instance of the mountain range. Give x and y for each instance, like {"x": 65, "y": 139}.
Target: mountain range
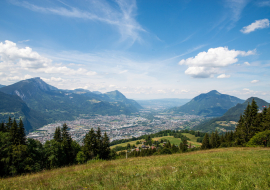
{"x": 211, "y": 104}
{"x": 55, "y": 104}
{"x": 229, "y": 120}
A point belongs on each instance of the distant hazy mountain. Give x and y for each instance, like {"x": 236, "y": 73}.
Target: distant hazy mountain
{"x": 117, "y": 96}
{"x": 96, "y": 92}
{"x": 227, "y": 121}
{"x": 211, "y": 104}
{"x": 165, "y": 103}
{"x": 1, "y": 85}
{"x": 67, "y": 104}
{"x": 14, "y": 107}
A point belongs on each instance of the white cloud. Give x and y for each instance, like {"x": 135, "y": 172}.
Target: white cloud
{"x": 205, "y": 64}
{"x": 258, "y": 24}
{"x": 247, "y": 63}
{"x": 236, "y": 7}
{"x": 254, "y": 81}
{"x": 122, "y": 15}
{"x": 201, "y": 72}
{"x": 246, "y": 89}
{"x": 27, "y": 59}
{"x": 24, "y": 57}
{"x": 222, "y": 76}
{"x": 23, "y": 41}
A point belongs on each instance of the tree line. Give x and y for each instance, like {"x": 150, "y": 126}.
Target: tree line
{"x": 19, "y": 155}
{"x": 253, "y": 129}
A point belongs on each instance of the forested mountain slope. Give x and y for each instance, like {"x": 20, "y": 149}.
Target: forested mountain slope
{"x": 13, "y": 106}
{"x": 211, "y": 104}
{"x": 227, "y": 121}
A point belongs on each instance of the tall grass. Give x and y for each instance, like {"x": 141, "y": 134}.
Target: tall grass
{"x": 230, "y": 168}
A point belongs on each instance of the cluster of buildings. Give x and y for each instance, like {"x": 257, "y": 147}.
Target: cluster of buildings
{"x": 117, "y": 127}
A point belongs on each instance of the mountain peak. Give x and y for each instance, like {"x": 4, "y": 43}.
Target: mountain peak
{"x": 38, "y": 82}
{"x": 213, "y": 92}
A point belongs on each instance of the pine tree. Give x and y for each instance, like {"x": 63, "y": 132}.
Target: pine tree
{"x": 66, "y": 142}
{"x": 247, "y": 124}
{"x": 14, "y": 136}
{"x": 265, "y": 124}
{"x": 205, "y": 143}
{"x": 21, "y": 133}
{"x": 217, "y": 139}
{"x": 90, "y": 146}
{"x": 105, "y": 150}
{"x": 213, "y": 140}
{"x": 57, "y": 135}
{"x": 9, "y": 124}
{"x": 98, "y": 143}
{"x": 3, "y": 127}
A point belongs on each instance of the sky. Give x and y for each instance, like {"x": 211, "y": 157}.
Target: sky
{"x": 146, "y": 49}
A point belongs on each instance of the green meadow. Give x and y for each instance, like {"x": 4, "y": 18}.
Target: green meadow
{"x": 176, "y": 141}
{"x": 224, "y": 168}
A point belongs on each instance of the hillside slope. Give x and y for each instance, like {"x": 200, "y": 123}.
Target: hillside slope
{"x": 211, "y": 104}
{"x": 230, "y": 168}
{"x": 14, "y": 107}
{"x": 227, "y": 121}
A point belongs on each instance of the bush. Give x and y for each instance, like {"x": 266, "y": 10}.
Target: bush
{"x": 165, "y": 151}
{"x": 260, "y": 139}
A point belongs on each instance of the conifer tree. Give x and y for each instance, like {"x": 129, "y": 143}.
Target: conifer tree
{"x": 9, "y": 124}
{"x": 105, "y": 149}
{"x": 3, "y": 127}
{"x": 205, "y": 142}
{"x": 21, "y": 133}
{"x": 66, "y": 141}
{"x": 247, "y": 124}
{"x": 90, "y": 146}
{"x": 213, "y": 140}
{"x": 14, "y": 136}
{"x": 57, "y": 135}
{"x": 98, "y": 142}
{"x": 217, "y": 139}
{"x": 265, "y": 124}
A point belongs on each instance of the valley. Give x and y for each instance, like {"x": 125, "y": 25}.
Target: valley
{"x": 119, "y": 126}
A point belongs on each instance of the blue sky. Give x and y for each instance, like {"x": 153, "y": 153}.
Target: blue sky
{"x": 146, "y": 49}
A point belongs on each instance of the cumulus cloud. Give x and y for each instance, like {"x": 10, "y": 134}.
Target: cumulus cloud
{"x": 201, "y": 72}
{"x": 258, "y": 24}
{"x": 25, "y": 58}
{"x": 247, "y": 63}
{"x": 254, "y": 81}
{"x": 205, "y": 64}
{"x": 222, "y": 76}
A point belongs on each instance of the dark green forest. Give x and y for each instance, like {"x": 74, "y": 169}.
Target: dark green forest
{"x": 19, "y": 155}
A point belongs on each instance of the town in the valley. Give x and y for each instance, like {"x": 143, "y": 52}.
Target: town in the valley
{"x": 119, "y": 126}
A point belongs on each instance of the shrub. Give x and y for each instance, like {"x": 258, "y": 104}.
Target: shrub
{"x": 165, "y": 151}
{"x": 260, "y": 139}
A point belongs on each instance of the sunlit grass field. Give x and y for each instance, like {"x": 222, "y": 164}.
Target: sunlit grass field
{"x": 227, "y": 168}
{"x": 176, "y": 141}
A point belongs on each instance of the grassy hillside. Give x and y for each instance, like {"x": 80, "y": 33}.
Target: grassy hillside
{"x": 232, "y": 168}
{"x": 176, "y": 141}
